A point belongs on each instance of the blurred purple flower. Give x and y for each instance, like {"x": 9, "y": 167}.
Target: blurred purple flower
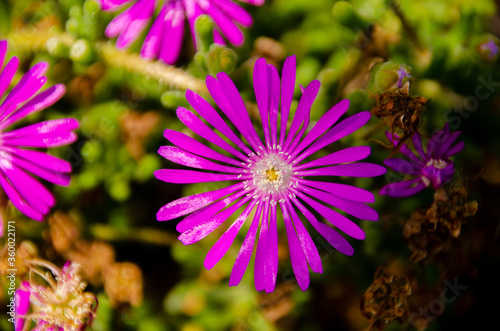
{"x": 268, "y": 174}
{"x": 27, "y": 194}
{"x": 164, "y": 39}
{"x": 433, "y": 167}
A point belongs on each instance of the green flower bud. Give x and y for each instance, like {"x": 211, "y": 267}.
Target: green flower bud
{"x": 74, "y": 22}
{"x": 220, "y": 59}
{"x": 487, "y": 48}
{"x": 57, "y": 48}
{"x": 203, "y": 30}
{"x": 90, "y": 20}
{"x": 391, "y": 75}
{"x": 82, "y": 52}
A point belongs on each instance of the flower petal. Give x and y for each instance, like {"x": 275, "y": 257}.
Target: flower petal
{"x": 260, "y": 82}
{"x": 333, "y": 237}
{"x": 187, "y": 159}
{"x": 354, "y": 208}
{"x": 192, "y": 145}
{"x": 324, "y": 123}
{"x": 306, "y": 242}
{"x": 204, "y": 229}
{"x": 346, "y": 191}
{"x": 404, "y": 188}
{"x": 359, "y": 169}
{"x": 18, "y": 201}
{"x": 262, "y": 251}
{"x": 350, "y": 154}
{"x": 287, "y": 88}
{"x": 180, "y": 176}
{"x": 194, "y": 123}
{"x": 211, "y": 116}
{"x": 344, "y": 128}
{"x": 7, "y": 74}
{"x": 302, "y": 113}
{"x": 403, "y": 166}
{"x": 186, "y": 205}
{"x": 207, "y": 212}
{"x": 42, "y": 100}
{"x": 173, "y": 34}
{"x": 151, "y": 45}
{"x": 220, "y": 248}
{"x": 299, "y": 262}
{"x": 235, "y": 12}
{"x": 245, "y": 253}
{"x": 340, "y": 221}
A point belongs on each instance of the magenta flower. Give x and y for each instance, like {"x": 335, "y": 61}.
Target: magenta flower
{"x": 27, "y": 194}
{"x": 164, "y": 39}
{"x": 267, "y": 174}
{"x": 433, "y": 167}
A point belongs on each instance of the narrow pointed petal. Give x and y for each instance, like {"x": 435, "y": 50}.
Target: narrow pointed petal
{"x": 211, "y": 116}
{"x": 306, "y": 242}
{"x": 52, "y": 126}
{"x": 18, "y": 201}
{"x": 187, "y": 159}
{"x": 229, "y": 29}
{"x": 274, "y": 101}
{"x": 235, "y": 12}
{"x": 324, "y": 123}
{"x": 41, "y": 159}
{"x": 220, "y": 248}
{"x": 401, "y": 165}
{"x": 180, "y": 176}
{"x": 333, "y": 237}
{"x": 245, "y": 253}
{"x": 347, "y": 191}
{"x": 359, "y": 169}
{"x": 340, "y": 221}
{"x": 271, "y": 265}
{"x": 454, "y": 150}
{"x": 297, "y": 257}
{"x": 200, "y": 128}
{"x": 356, "y": 209}
{"x": 303, "y": 110}
{"x": 186, "y": 205}
{"x": 43, "y": 140}
{"x": 287, "y": 88}
{"x": 262, "y": 250}
{"x": 41, "y": 101}
{"x": 173, "y": 33}
{"x": 189, "y": 144}
{"x": 204, "y": 229}
{"x": 339, "y": 131}
{"x": 151, "y": 46}
{"x": 7, "y": 73}
{"x": 260, "y": 85}
{"x": 207, "y": 212}
{"x": 404, "y": 188}
{"x": 350, "y": 154}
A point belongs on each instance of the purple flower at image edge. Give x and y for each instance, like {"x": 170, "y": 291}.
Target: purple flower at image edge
{"x": 164, "y": 39}
{"x": 267, "y": 174}
{"x": 26, "y": 193}
{"x": 432, "y": 167}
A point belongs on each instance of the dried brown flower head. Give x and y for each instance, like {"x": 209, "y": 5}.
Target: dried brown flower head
{"x": 25, "y": 251}
{"x": 400, "y": 111}
{"x": 136, "y": 127}
{"x": 123, "y": 283}
{"x": 428, "y": 232}
{"x": 386, "y": 299}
